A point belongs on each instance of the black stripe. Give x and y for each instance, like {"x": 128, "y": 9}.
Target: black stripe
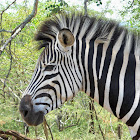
{"x": 64, "y": 73}
{"x": 90, "y": 68}
{"x": 47, "y": 77}
{"x": 134, "y": 116}
{"x": 77, "y": 54}
{"x": 138, "y": 135}
{"x": 48, "y": 54}
{"x": 72, "y": 52}
{"x": 83, "y": 61}
{"x": 76, "y": 72}
{"x": 69, "y": 60}
{"x": 44, "y": 95}
{"x": 51, "y": 57}
{"x": 77, "y": 59}
{"x": 129, "y": 87}
{"x": 72, "y": 74}
{"x": 57, "y": 83}
{"x": 42, "y": 104}
{"x": 98, "y": 58}
{"x": 65, "y": 65}
{"x": 102, "y": 81}
{"x": 114, "y": 85}
{"x": 64, "y": 86}
{"x": 43, "y": 56}
{"x": 54, "y": 55}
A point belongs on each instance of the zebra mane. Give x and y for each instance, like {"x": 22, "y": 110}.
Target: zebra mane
{"x": 49, "y": 28}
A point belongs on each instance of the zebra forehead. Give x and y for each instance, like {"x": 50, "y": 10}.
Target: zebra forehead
{"x": 51, "y": 26}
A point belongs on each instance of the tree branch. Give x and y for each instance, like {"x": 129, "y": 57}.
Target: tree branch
{"x": 21, "y": 26}
{"x": 3, "y": 30}
{"x": 11, "y": 60}
{"x": 46, "y": 127}
{"x": 18, "y": 136}
{"x": 85, "y": 7}
{"x": 99, "y": 124}
{"x": 7, "y": 7}
{"x": 5, "y": 10}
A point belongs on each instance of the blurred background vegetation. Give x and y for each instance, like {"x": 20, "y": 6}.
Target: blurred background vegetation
{"x": 74, "y": 120}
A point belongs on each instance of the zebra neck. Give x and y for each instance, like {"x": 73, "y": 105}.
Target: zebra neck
{"x": 108, "y": 69}
{"x": 101, "y": 64}
{"x": 93, "y": 59}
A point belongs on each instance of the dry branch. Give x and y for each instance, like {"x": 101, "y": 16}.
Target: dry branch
{"x": 7, "y": 7}
{"x": 18, "y": 136}
{"x": 99, "y": 125}
{"x": 21, "y": 26}
{"x": 46, "y": 127}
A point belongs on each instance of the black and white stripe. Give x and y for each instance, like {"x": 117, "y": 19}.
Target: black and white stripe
{"x": 104, "y": 62}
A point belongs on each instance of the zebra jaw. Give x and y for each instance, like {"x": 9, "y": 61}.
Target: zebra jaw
{"x": 27, "y": 112}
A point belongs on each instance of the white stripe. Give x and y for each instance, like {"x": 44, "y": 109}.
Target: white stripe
{"x": 88, "y": 38}
{"x": 80, "y": 64}
{"x": 115, "y": 50}
{"x": 76, "y": 28}
{"x": 84, "y": 28}
{"x": 105, "y": 46}
{"x": 92, "y": 31}
{"x": 134, "y": 129}
{"x": 86, "y": 59}
{"x": 62, "y": 21}
{"x": 122, "y": 74}
{"x": 96, "y": 95}
{"x": 86, "y": 67}
{"x": 72, "y": 24}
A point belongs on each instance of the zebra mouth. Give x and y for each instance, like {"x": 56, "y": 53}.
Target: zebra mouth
{"x": 27, "y": 112}
{"x": 38, "y": 119}
{"x": 34, "y": 119}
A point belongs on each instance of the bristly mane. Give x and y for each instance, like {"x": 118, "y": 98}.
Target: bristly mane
{"x": 49, "y": 28}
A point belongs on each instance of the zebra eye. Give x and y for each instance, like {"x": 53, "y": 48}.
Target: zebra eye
{"x": 49, "y": 67}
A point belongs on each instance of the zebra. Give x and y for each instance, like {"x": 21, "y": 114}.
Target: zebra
{"x": 89, "y": 54}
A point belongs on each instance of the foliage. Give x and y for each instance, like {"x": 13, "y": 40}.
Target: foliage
{"x": 98, "y": 2}
{"x": 55, "y": 7}
{"x": 24, "y": 56}
{"x": 132, "y": 10}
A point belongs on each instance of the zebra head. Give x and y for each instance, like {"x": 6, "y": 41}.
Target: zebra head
{"x": 56, "y": 78}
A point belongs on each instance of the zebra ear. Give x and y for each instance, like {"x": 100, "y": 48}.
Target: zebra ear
{"x": 66, "y": 37}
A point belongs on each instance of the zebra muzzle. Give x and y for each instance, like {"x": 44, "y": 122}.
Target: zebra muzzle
{"x": 26, "y": 109}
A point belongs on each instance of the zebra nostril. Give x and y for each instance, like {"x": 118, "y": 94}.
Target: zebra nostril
{"x": 25, "y": 113}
